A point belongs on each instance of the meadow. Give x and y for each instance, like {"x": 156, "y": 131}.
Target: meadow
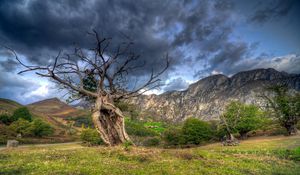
{"x": 260, "y": 155}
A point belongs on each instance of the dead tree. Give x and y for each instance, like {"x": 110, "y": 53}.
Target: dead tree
{"x": 110, "y": 71}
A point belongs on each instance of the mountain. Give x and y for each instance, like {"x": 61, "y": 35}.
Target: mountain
{"x": 55, "y": 108}
{"x": 207, "y": 98}
{"x": 8, "y": 106}
{"x": 51, "y": 110}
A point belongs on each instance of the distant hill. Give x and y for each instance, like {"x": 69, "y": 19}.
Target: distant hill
{"x": 51, "y": 110}
{"x": 8, "y": 106}
{"x": 55, "y": 108}
{"x": 207, "y": 98}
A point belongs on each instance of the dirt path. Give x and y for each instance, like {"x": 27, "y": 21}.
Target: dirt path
{"x": 43, "y": 145}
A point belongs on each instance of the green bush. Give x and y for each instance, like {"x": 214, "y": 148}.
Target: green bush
{"x": 138, "y": 129}
{"x": 130, "y": 108}
{"x": 90, "y": 137}
{"x": 82, "y": 120}
{"x": 36, "y": 128}
{"x": 154, "y": 141}
{"x": 158, "y": 127}
{"x": 173, "y": 136}
{"x": 21, "y": 126}
{"x": 5, "y": 119}
{"x": 39, "y": 128}
{"x": 195, "y": 131}
{"x": 23, "y": 113}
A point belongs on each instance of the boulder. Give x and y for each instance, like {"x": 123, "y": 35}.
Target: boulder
{"x": 12, "y": 143}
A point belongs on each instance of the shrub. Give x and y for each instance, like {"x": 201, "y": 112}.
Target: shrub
{"x": 158, "y": 127}
{"x": 90, "y": 137}
{"x": 39, "y": 128}
{"x": 195, "y": 131}
{"x": 80, "y": 121}
{"x": 138, "y": 129}
{"x": 154, "y": 141}
{"x": 35, "y": 128}
{"x": 130, "y": 108}
{"x": 173, "y": 136}
{"x": 5, "y": 119}
{"x": 23, "y": 113}
{"x": 21, "y": 126}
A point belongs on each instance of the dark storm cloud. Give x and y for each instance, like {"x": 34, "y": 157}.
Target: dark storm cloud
{"x": 38, "y": 29}
{"x": 269, "y": 10}
{"x": 191, "y": 31}
{"x": 228, "y": 55}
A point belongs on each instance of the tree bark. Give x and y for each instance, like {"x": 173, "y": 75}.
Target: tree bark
{"x": 109, "y": 122}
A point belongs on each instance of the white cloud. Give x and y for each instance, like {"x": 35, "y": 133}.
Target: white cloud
{"x": 215, "y": 72}
{"x": 288, "y": 63}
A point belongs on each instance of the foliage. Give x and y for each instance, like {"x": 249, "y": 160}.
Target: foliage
{"x": 80, "y": 121}
{"x": 136, "y": 128}
{"x": 153, "y": 141}
{"x": 158, "y": 127}
{"x": 39, "y": 128}
{"x": 130, "y": 108}
{"x": 36, "y": 128}
{"x": 242, "y": 118}
{"x": 21, "y": 126}
{"x": 286, "y": 107}
{"x": 23, "y": 113}
{"x": 5, "y": 119}
{"x": 173, "y": 136}
{"x": 90, "y": 137}
{"x": 127, "y": 145}
{"x": 195, "y": 131}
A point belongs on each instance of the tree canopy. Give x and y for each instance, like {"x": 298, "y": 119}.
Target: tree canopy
{"x": 285, "y": 107}
{"x": 241, "y": 118}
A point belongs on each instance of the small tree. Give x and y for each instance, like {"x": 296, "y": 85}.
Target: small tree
{"x": 241, "y": 118}
{"x": 23, "y": 113}
{"x": 20, "y": 127}
{"x": 285, "y": 107}
{"x": 195, "y": 131}
{"x": 39, "y": 128}
{"x": 5, "y": 119}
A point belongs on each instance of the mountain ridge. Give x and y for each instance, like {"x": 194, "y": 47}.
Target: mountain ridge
{"x": 207, "y": 98}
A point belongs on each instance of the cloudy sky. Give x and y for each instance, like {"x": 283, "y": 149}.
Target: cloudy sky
{"x": 202, "y": 37}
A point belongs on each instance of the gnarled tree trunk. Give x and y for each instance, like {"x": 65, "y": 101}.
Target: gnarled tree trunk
{"x": 109, "y": 122}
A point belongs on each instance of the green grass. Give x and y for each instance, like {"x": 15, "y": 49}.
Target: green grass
{"x": 267, "y": 155}
{"x": 158, "y": 127}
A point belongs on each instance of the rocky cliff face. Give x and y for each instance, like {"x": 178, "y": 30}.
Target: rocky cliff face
{"x": 207, "y": 98}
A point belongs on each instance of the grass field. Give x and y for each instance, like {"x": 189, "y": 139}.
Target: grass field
{"x": 264, "y": 155}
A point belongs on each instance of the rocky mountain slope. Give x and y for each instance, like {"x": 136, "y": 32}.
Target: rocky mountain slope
{"x": 207, "y": 98}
